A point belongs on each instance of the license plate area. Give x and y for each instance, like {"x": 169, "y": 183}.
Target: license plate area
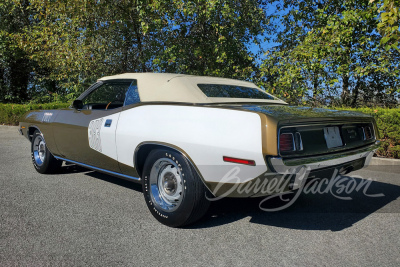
{"x": 332, "y": 137}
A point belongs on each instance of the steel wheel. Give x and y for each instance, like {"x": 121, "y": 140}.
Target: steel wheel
{"x": 42, "y": 159}
{"x": 173, "y": 191}
{"x": 39, "y": 150}
{"x": 166, "y": 184}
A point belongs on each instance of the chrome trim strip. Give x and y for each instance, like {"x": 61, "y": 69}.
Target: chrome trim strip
{"x": 372, "y": 133}
{"x": 91, "y": 88}
{"x": 326, "y": 123}
{"x": 99, "y": 169}
{"x": 363, "y": 130}
{"x": 300, "y": 141}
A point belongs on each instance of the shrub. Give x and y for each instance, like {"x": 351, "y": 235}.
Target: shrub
{"x": 388, "y": 121}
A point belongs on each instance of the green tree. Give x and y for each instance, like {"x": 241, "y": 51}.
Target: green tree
{"x": 15, "y": 66}
{"x": 74, "y": 42}
{"x": 327, "y": 47}
{"x": 211, "y": 37}
{"x": 389, "y": 23}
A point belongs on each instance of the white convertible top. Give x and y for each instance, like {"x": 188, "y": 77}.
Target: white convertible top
{"x": 168, "y": 87}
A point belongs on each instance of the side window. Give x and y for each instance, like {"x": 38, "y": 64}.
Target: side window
{"x": 110, "y": 95}
{"x": 132, "y": 95}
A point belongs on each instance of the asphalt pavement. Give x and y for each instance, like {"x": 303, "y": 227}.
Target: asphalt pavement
{"x": 84, "y": 218}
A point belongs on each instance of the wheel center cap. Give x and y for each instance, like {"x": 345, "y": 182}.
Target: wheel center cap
{"x": 169, "y": 183}
{"x": 41, "y": 150}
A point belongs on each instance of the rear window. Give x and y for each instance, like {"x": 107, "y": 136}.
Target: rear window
{"x": 233, "y": 91}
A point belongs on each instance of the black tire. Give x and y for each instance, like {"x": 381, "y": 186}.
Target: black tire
{"x": 42, "y": 159}
{"x": 165, "y": 174}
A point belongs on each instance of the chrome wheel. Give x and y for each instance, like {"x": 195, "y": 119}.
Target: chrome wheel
{"x": 39, "y": 150}
{"x": 173, "y": 191}
{"x": 166, "y": 184}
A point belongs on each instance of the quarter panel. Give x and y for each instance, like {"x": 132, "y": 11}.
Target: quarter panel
{"x": 205, "y": 134}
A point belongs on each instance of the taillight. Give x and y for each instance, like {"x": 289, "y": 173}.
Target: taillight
{"x": 286, "y": 142}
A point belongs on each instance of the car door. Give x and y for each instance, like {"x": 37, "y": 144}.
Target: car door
{"x": 87, "y": 135}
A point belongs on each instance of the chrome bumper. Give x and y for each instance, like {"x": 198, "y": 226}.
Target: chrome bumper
{"x": 300, "y": 165}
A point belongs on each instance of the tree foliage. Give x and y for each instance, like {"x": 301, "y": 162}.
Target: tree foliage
{"x": 71, "y": 43}
{"x": 337, "y": 52}
{"x": 15, "y": 65}
{"x": 80, "y": 41}
{"x": 210, "y": 37}
{"x": 332, "y": 48}
{"x": 389, "y": 24}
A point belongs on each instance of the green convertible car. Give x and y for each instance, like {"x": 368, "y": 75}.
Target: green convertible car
{"x": 189, "y": 139}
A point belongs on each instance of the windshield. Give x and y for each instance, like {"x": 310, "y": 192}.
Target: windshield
{"x": 233, "y": 91}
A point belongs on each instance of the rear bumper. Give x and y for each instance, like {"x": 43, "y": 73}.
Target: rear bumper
{"x": 290, "y": 166}
{"x": 286, "y": 175}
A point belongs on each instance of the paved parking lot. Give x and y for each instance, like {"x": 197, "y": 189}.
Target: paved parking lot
{"x": 79, "y": 217}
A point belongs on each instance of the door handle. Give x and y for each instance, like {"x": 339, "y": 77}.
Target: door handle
{"x": 108, "y": 123}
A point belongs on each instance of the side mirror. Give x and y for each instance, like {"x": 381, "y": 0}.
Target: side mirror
{"x": 77, "y": 104}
